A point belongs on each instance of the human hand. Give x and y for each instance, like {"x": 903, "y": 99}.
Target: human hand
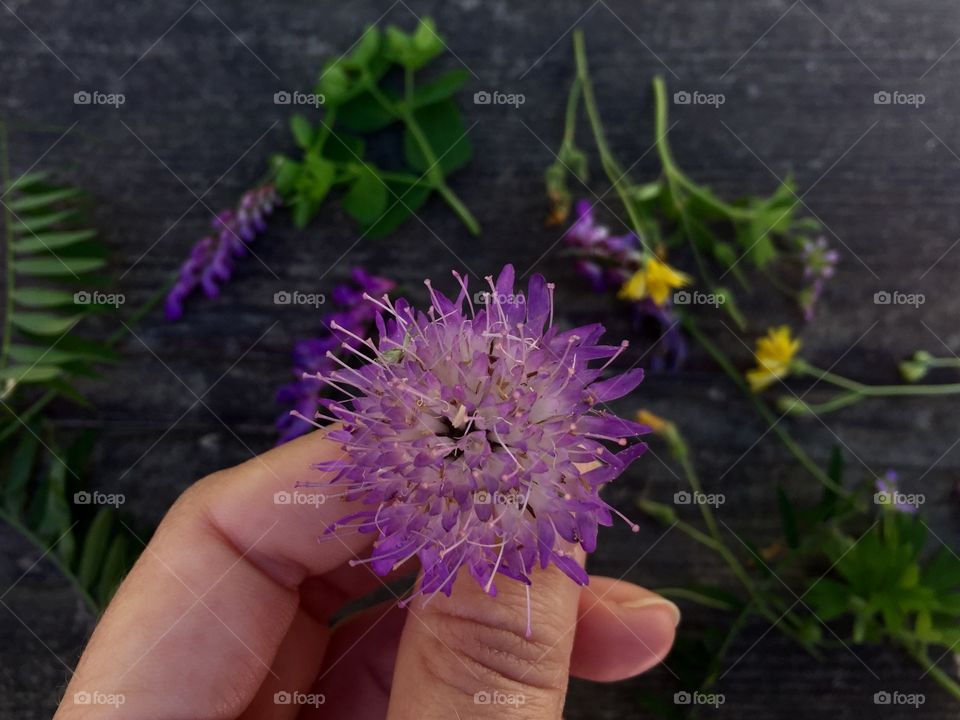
{"x": 227, "y": 614}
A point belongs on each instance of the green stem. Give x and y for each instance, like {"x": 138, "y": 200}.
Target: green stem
{"x": 434, "y": 172}
{"x": 919, "y": 654}
{"x": 8, "y": 257}
{"x": 570, "y": 116}
{"x": 612, "y": 169}
{"x": 803, "y": 367}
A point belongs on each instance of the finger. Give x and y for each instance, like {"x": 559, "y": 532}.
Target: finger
{"x": 194, "y": 629}
{"x": 470, "y": 655}
{"x": 622, "y": 630}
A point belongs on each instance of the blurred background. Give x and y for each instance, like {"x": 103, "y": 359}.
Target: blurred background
{"x": 199, "y": 122}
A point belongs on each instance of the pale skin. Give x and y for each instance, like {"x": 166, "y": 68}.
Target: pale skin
{"x": 231, "y": 603}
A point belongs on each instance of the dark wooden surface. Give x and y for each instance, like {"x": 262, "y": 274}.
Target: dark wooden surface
{"x": 199, "y": 114}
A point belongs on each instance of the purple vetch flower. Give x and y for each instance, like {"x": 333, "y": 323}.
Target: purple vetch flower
{"x": 479, "y": 438}
{"x": 606, "y": 260}
{"x": 310, "y": 357}
{"x": 819, "y": 265}
{"x": 888, "y": 493}
{"x": 210, "y": 262}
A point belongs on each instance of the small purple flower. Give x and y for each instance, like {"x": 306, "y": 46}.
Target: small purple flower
{"x": 819, "y": 265}
{"x": 479, "y": 438}
{"x": 310, "y": 356}
{"x": 606, "y": 260}
{"x": 210, "y": 262}
{"x": 888, "y": 493}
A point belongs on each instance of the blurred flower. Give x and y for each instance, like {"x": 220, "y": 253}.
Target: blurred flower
{"x": 655, "y": 280}
{"x": 917, "y": 367}
{"x": 819, "y": 264}
{"x": 888, "y": 493}
{"x": 356, "y": 315}
{"x": 479, "y": 439}
{"x": 606, "y": 260}
{"x": 210, "y": 262}
{"x": 774, "y": 353}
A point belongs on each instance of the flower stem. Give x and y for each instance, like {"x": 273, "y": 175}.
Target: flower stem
{"x": 919, "y": 653}
{"x": 805, "y": 368}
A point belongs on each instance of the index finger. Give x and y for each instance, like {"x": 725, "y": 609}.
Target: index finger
{"x": 194, "y": 628}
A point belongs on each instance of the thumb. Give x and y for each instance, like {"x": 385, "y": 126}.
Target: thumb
{"x": 470, "y": 654}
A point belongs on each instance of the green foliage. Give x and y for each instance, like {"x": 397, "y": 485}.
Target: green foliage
{"x": 361, "y": 97}
{"x": 52, "y": 267}
{"x": 44, "y": 495}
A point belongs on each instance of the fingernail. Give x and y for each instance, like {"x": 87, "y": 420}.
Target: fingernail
{"x": 654, "y": 602}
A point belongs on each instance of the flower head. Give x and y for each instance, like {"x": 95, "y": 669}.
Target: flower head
{"x": 210, "y": 262}
{"x": 478, "y": 438}
{"x": 819, "y": 265}
{"x": 655, "y": 280}
{"x": 775, "y": 352}
{"x": 606, "y": 260}
{"x": 888, "y": 493}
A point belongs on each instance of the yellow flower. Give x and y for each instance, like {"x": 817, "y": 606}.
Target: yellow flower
{"x": 774, "y": 353}
{"x": 654, "y": 280}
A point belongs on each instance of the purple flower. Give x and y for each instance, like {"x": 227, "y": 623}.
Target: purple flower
{"x": 210, "y": 262}
{"x": 479, "y": 438}
{"x": 888, "y": 493}
{"x": 606, "y": 260}
{"x": 310, "y": 356}
{"x": 819, "y": 265}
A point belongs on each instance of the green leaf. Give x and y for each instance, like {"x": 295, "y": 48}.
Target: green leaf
{"x": 398, "y": 210}
{"x": 50, "y": 510}
{"x": 115, "y": 566}
{"x": 27, "y": 374}
{"x": 943, "y": 572}
{"x": 95, "y": 547}
{"x": 51, "y": 241}
{"x": 59, "y": 266}
{"x": 43, "y": 297}
{"x": 318, "y": 178}
{"x": 44, "y": 323}
{"x": 35, "y": 201}
{"x": 25, "y": 181}
{"x": 366, "y": 48}
{"x": 303, "y": 132}
{"x": 446, "y": 136}
{"x": 442, "y": 88}
{"x": 367, "y": 198}
{"x": 18, "y": 473}
{"x": 344, "y": 149}
{"x": 364, "y": 114}
{"x": 788, "y": 518}
{"x": 30, "y": 225}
